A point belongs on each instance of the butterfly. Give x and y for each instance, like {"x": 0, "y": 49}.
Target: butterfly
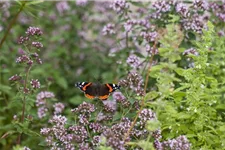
{"x": 93, "y": 90}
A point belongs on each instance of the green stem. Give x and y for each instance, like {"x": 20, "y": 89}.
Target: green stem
{"x": 143, "y": 100}
{"x": 11, "y": 24}
{"x": 24, "y": 103}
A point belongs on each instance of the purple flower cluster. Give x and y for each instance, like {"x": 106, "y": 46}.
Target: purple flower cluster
{"x": 58, "y": 136}
{"x": 218, "y": 9}
{"x": 81, "y": 2}
{"x": 133, "y": 61}
{"x": 79, "y": 133}
{"x": 35, "y": 83}
{"x": 129, "y": 24}
{"x": 145, "y": 115}
{"x": 109, "y": 106}
{"x": 42, "y": 104}
{"x": 192, "y": 16}
{"x": 160, "y": 7}
{"x": 26, "y": 148}
{"x": 194, "y": 23}
{"x": 58, "y": 108}
{"x": 108, "y": 29}
{"x": 88, "y": 134}
{"x": 37, "y": 44}
{"x": 62, "y": 7}
{"x": 149, "y": 36}
{"x": 120, "y": 98}
{"x": 104, "y": 117}
{"x": 15, "y": 78}
{"x": 182, "y": 9}
{"x": 119, "y": 6}
{"x": 116, "y": 133}
{"x": 84, "y": 108}
{"x": 180, "y": 143}
{"x": 134, "y": 81}
{"x": 200, "y": 4}
{"x": 31, "y": 31}
{"x": 32, "y": 34}
{"x": 192, "y": 51}
{"x": 29, "y": 60}
{"x": 151, "y": 50}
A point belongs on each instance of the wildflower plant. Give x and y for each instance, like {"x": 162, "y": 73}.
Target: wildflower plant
{"x": 167, "y": 56}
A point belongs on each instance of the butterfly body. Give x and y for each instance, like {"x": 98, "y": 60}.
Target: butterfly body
{"x": 93, "y": 90}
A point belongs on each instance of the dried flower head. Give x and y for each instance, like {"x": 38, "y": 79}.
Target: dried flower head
{"x": 35, "y": 83}
{"x": 14, "y": 78}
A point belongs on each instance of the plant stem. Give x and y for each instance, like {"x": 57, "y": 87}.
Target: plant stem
{"x": 24, "y": 103}
{"x": 143, "y": 100}
{"x": 12, "y": 23}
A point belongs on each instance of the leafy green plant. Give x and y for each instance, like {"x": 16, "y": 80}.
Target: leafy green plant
{"x": 187, "y": 99}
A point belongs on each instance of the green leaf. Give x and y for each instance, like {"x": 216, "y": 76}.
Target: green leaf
{"x": 5, "y": 88}
{"x": 62, "y": 82}
{"x": 34, "y": 2}
{"x": 19, "y": 2}
{"x": 145, "y": 145}
{"x": 76, "y": 100}
{"x": 151, "y": 95}
{"x": 153, "y": 125}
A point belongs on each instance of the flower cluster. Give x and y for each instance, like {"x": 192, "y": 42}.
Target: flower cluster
{"x": 32, "y": 34}
{"x": 85, "y": 108}
{"x": 62, "y": 7}
{"x": 119, "y": 6}
{"x": 192, "y": 16}
{"x": 81, "y": 2}
{"x": 15, "y": 78}
{"x": 108, "y": 29}
{"x": 110, "y": 106}
{"x": 120, "y": 98}
{"x": 217, "y": 9}
{"x": 180, "y": 142}
{"x": 35, "y": 83}
{"x": 79, "y": 133}
{"x": 192, "y": 51}
{"x": 151, "y": 50}
{"x": 116, "y": 133}
{"x": 42, "y": 104}
{"x": 26, "y": 148}
{"x": 96, "y": 127}
{"x": 145, "y": 115}
{"x": 58, "y": 108}
{"x": 58, "y": 132}
{"x": 31, "y": 31}
{"x": 133, "y": 61}
{"x": 134, "y": 81}
{"x": 149, "y": 36}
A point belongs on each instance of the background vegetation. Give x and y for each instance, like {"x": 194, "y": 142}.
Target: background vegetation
{"x": 167, "y": 56}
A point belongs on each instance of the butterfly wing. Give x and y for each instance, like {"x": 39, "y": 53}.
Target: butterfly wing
{"x": 106, "y": 89}
{"x": 87, "y": 88}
